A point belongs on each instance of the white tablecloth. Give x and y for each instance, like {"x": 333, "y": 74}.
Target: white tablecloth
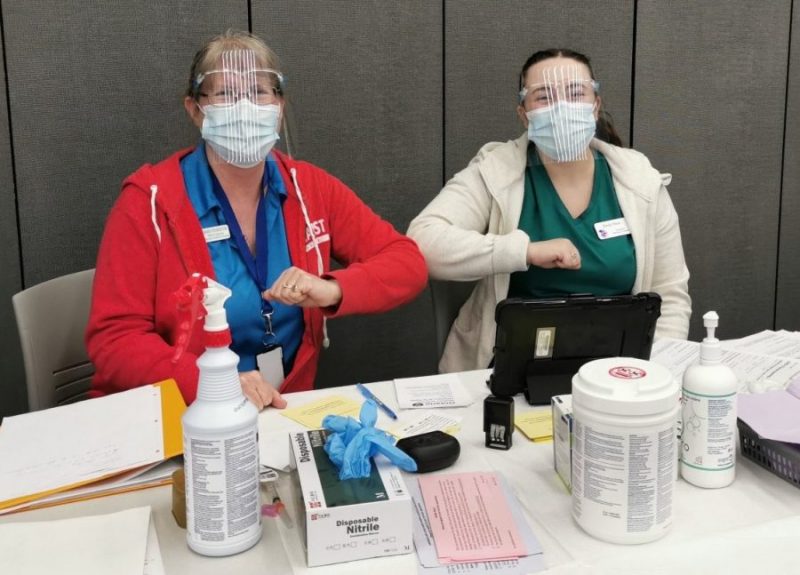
{"x": 752, "y": 525}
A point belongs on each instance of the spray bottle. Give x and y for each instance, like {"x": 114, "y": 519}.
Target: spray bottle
{"x": 220, "y": 433}
{"x": 708, "y": 451}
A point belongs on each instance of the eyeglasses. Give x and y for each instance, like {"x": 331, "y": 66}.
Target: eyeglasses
{"x": 226, "y": 87}
{"x": 547, "y": 93}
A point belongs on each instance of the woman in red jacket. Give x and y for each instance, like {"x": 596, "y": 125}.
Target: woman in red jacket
{"x": 252, "y": 218}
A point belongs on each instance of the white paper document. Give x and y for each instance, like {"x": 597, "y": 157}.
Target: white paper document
{"x": 85, "y": 441}
{"x": 96, "y": 545}
{"x": 777, "y": 343}
{"x": 153, "y": 563}
{"x": 431, "y": 391}
{"x": 756, "y": 372}
{"x": 425, "y": 422}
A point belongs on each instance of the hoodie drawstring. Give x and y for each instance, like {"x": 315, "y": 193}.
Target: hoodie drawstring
{"x": 153, "y": 192}
{"x": 326, "y": 342}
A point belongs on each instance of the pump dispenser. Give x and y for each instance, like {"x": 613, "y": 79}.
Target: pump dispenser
{"x": 220, "y": 433}
{"x": 708, "y": 451}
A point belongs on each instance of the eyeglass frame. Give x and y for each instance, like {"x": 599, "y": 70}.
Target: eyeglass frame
{"x": 277, "y": 90}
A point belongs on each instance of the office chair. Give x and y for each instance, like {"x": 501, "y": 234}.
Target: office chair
{"x": 448, "y": 297}
{"x": 51, "y": 319}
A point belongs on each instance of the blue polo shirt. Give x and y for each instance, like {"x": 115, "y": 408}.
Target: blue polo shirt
{"x": 243, "y": 308}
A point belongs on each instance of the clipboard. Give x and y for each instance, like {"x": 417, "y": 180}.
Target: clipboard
{"x": 172, "y": 409}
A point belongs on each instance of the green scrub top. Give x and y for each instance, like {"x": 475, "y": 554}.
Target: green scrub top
{"x": 608, "y": 267}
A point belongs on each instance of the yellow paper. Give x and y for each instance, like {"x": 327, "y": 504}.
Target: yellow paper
{"x": 537, "y": 425}
{"x": 311, "y": 414}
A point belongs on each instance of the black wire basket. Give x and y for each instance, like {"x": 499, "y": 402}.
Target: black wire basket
{"x": 782, "y": 459}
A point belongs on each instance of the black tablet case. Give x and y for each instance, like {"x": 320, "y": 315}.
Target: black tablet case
{"x": 586, "y": 328}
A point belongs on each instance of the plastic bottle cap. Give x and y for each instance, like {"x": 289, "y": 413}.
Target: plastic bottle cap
{"x": 625, "y": 386}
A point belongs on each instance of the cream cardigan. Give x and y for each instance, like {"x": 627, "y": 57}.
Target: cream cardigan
{"x": 470, "y": 232}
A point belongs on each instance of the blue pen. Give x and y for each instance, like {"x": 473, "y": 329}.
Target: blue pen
{"x": 369, "y": 395}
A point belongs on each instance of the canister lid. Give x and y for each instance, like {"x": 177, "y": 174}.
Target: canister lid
{"x": 625, "y": 386}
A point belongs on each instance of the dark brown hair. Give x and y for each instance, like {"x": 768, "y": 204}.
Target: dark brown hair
{"x": 605, "y": 127}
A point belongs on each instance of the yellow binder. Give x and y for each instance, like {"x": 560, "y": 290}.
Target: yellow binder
{"x": 172, "y": 408}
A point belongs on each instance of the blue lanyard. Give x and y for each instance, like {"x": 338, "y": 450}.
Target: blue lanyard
{"x": 257, "y": 266}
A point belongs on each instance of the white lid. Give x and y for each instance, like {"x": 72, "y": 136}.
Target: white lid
{"x": 625, "y": 386}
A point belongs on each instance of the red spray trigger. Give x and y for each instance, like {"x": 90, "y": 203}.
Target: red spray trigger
{"x": 189, "y": 302}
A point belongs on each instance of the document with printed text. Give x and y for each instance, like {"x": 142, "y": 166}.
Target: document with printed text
{"x": 432, "y": 391}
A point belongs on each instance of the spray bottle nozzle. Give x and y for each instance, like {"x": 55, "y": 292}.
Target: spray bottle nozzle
{"x": 189, "y": 302}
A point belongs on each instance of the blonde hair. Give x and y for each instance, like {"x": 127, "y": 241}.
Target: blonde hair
{"x": 208, "y": 56}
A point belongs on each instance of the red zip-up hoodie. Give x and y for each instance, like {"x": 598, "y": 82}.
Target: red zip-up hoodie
{"x": 153, "y": 241}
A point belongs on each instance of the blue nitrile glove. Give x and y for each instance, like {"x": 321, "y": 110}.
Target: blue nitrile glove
{"x": 351, "y": 444}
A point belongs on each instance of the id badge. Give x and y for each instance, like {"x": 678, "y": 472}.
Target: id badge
{"x": 270, "y": 364}
{"x": 612, "y": 229}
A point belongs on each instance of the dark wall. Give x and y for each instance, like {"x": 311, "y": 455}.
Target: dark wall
{"x": 787, "y": 315}
{"x": 486, "y": 44}
{"x": 709, "y": 108}
{"x": 365, "y": 91}
{"x": 393, "y": 98}
{"x": 13, "y": 397}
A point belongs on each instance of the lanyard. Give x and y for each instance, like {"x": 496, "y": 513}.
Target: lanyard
{"x": 257, "y": 266}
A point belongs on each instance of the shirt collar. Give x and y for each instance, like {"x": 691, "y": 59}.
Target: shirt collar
{"x": 205, "y": 181}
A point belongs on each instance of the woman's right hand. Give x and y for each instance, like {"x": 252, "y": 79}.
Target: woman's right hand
{"x": 557, "y": 253}
{"x": 259, "y": 392}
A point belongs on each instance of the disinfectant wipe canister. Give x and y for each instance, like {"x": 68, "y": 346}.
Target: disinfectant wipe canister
{"x": 220, "y": 434}
{"x": 708, "y": 452}
{"x": 625, "y": 411}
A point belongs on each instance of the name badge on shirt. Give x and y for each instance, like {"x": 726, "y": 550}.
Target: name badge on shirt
{"x": 270, "y": 364}
{"x": 216, "y": 233}
{"x": 612, "y": 229}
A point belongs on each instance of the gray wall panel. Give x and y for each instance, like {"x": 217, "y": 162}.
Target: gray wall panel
{"x": 709, "y": 104}
{"x": 365, "y": 86}
{"x": 486, "y": 44}
{"x": 96, "y": 90}
{"x": 12, "y": 376}
{"x": 787, "y": 314}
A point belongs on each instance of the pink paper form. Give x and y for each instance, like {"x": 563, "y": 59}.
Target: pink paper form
{"x": 470, "y": 518}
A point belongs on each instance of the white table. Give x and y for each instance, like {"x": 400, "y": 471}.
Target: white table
{"x": 755, "y": 499}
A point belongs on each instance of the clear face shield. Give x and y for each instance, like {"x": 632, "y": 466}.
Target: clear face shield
{"x": 241, "y": 102}
{"x": 561, "y": 113}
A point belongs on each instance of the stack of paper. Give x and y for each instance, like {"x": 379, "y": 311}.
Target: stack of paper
{"x": 97, "y": 446}
{"x": 536, "y": 424}
{"x": 444, "y": 390}
{"x": 752, "y": 359}
{"x": 123, "y": 543}
{"x": 773, "y": 415}
{"x": 471, "y": 523}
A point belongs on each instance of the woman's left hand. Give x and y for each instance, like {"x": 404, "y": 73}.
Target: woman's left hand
{"x": 296, "y": 287}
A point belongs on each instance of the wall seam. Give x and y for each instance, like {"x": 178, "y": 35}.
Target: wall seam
{"x": 633, "y": 70}
{"x": 444, "y": 91}
{"x": 783, "y": 168}
{"x": 11, "y": 149}
{"x": 250, "y": 16}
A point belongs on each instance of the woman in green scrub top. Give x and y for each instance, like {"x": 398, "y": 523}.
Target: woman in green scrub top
{"x": 562, "y": 209}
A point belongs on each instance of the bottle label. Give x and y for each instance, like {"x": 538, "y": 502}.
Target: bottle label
{"x": 709, "y": 431}
{"x": 622, "y": 480}
{"x": 222, "y": 498}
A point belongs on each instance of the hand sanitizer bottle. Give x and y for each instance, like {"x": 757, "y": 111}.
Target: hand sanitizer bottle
{"x": 220, "y": 435}
{"x": 708, "y": 451}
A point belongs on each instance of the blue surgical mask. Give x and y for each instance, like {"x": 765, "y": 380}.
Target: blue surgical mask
{"x": 242, "y": 134}
{"x": 563, "y": 130}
